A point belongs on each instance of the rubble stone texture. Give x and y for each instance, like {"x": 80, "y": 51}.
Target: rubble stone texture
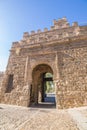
{"x": 1, "y": 77}
{"x": 62, "y": 51}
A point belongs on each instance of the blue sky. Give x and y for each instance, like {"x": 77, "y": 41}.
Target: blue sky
{"x": 18, "y": 16}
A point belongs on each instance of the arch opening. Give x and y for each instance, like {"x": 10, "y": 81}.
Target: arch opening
{"x": 43, "y": 90}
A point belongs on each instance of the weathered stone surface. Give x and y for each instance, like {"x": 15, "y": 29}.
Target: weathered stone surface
{"x": 61, "y": 51}
{"x": 1, "y": 77}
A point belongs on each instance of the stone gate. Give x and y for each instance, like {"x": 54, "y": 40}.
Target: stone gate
{"x": 61, "y": 51}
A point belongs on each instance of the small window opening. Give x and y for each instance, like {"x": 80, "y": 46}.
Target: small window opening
{"x": 9, "y": 84}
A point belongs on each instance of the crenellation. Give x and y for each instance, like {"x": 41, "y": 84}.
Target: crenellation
{"x": 39, "y": 31}
{"x": 75, "y": 24}
{"x": 45, "y": 29}
{"x": 25, "y": 35}
{"x": 52, "y": 27}
{"x": 15, "y": 44}
{"x": 60, "y": 30}
{"x": 54, "y": 21}
{"x": 61, "y": 23}
{"x": 32, "y": 32}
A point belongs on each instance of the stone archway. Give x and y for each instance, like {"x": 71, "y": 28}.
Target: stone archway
{"x": 37, "y": 87}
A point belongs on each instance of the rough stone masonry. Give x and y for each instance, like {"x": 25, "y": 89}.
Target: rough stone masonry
{"x": 61, "y": 51}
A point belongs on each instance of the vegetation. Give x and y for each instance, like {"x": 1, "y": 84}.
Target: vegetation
{"x": 50, "y": 87}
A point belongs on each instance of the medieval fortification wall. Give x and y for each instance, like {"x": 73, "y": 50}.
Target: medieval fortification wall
{"x": 61, "y": 50}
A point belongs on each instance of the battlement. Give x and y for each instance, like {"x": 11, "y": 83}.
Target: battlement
{"x": 57, "y": 24}
{"x": 61, "y": 29}
{"x": 61, "y": 23}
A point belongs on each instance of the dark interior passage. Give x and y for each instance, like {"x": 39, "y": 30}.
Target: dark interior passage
{"x": 43, "y": 90}
{"x": 48, "y": 90}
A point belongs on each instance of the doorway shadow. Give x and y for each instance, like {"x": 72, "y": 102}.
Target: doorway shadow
{"x": 46, "y": 105}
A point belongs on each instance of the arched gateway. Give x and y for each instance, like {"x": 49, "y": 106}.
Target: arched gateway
{"x": 60, "y": 52}
{"x": 39, "y": 80}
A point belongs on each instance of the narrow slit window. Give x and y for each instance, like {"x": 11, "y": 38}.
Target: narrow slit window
{"x": 9, "y": 84}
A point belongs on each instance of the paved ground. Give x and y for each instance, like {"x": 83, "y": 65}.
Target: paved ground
{"x": 79, "y": 115}
{"x": 39, "y": 118}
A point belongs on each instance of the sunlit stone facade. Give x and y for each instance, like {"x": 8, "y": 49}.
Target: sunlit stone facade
{"x": 62, "y": 51}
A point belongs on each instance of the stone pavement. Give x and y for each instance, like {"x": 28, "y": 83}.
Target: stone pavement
{"x": 22, "y": 118}
{"x": 80, "y": 117}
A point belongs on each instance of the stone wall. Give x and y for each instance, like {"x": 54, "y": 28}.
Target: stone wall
{"x": 72, "y": 86}
{"x": 63, "y": 48}
{"x": 1, "y": 77}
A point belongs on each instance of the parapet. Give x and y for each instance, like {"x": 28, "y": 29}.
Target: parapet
{"x": 15, "y": 44}
{"x": 57, "y": 24}
{"x": 25, "y": 35}
{"x": 75, "y": 24}
{"x": 61, "y": 23}
{"x": 61, "y": 29}
{"x": 45, "y": 29}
